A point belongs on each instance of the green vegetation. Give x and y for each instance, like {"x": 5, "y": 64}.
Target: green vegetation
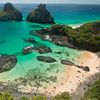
{"x": 6, "y": 96}
{"x": 39, "y": 98}
{"x": 59, "y": 29}
{"x": 24, "y": 98}
{"x": 93, "y": 93}
{"x": 63, "y": 96}
{"x": 87, "y": 36}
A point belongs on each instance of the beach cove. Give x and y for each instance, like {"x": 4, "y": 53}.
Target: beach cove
{"x": 59, "y": 77}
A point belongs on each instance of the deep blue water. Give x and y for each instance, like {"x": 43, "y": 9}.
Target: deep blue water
{"x": 66, "y": 13}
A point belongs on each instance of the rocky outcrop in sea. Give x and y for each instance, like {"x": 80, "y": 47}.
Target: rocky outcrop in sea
{"x": 10, "y": 13}
{"x": 7, "y": 62}
{"x": 39, "y": 49}
{"x": 40, "y": 15}
{"x": 46, "y": 59}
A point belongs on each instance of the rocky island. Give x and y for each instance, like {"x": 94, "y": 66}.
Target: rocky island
{"x": 10, "y": 13}
{"x": 40, "y": 15}
{"x": 7, "y": 62}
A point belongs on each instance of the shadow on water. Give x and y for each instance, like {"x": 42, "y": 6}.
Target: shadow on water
{"x": 36, "y": 26}
{"x": 2, "y": 41}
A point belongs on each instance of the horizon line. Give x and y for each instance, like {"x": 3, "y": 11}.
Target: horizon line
{"x": 51, "y": 3}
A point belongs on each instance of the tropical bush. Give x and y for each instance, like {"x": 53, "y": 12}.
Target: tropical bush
{"x": 93, "y": 93}
{"x": 87, "y": 36}
{"x": 6, "y": 96}
{"x": 63, "y": 96}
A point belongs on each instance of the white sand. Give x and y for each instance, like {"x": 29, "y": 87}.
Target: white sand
{"x": 72, "y": 76}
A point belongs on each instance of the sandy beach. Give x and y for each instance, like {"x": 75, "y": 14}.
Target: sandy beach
{"x": 73, "y": 80}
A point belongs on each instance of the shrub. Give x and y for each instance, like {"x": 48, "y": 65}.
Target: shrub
{"x": 6, "y": 96}
{"x": 63, "y": 96}
{"x": 93, "y": 93}
{"x": 39, "y": 98}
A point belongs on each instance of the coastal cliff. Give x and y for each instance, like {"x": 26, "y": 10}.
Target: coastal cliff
{"x": 40, "y": 15}
{"x": 10, "y": 13}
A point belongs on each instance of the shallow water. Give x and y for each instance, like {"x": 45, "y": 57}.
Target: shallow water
{"x": 13, "y": 32}
{"x": 14, "y": 44}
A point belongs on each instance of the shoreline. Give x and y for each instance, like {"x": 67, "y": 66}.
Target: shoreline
{"x": 76, "y": 81}
{"x": 75, "y": 25}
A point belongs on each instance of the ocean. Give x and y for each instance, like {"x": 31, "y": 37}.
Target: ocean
{"x": 12, "y": 34}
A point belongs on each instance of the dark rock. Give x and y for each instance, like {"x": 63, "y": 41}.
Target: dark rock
{"x": 28, "y": 49}
{"x": 66, "y": 62}
{"x": 43, "y": 49}
{"x": 56, "y": 34}
{"x": 56, "y": 29}
{"x": 10, "y": 13}
{"x": 86, "y": 68}
{"x": 40, "y": 15}
{"x": 30, "y": 40}
{"x": 46, "y": 59}
{"x": 7, "y": 62}
{"x": 79, "y": 71}
{"x": 39, "y": 49}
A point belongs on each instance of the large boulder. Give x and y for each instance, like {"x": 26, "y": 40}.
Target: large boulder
{"x": 40, "y": 15}
{"x": 66, "y": 62}
{"x": 7, "y": 62}
{"x": 10, "y": 13}
{"x": 46, "y": 59}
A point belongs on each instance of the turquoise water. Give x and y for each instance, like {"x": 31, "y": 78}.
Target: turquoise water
{"x": 13, "y": 32}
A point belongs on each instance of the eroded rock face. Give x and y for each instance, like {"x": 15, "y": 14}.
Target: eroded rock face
{"x": 46, "y": 59}
{"x": 7, "y": 62}
{"x": 10, "y": 13}
{"x": 40, "y": 15}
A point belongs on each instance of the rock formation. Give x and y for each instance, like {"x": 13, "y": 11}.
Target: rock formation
{"x": 46, "y": 59}
{"x": 39, "y": 49}
{"x": 7, "y": 62}
{"x": 10, "y": 13}
{"x": 40, "y": 15}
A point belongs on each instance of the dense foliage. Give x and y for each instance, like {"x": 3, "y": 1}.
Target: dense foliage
{"x": 59, "y": 29}
{"x": 6, "y": 96}
{"x": 56, "y": 29}
{"x": 87, "y": 36}
{"x": 10, "y": 13}
{"x": 93, "y": 93}
{"x": 63, "y": 96}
